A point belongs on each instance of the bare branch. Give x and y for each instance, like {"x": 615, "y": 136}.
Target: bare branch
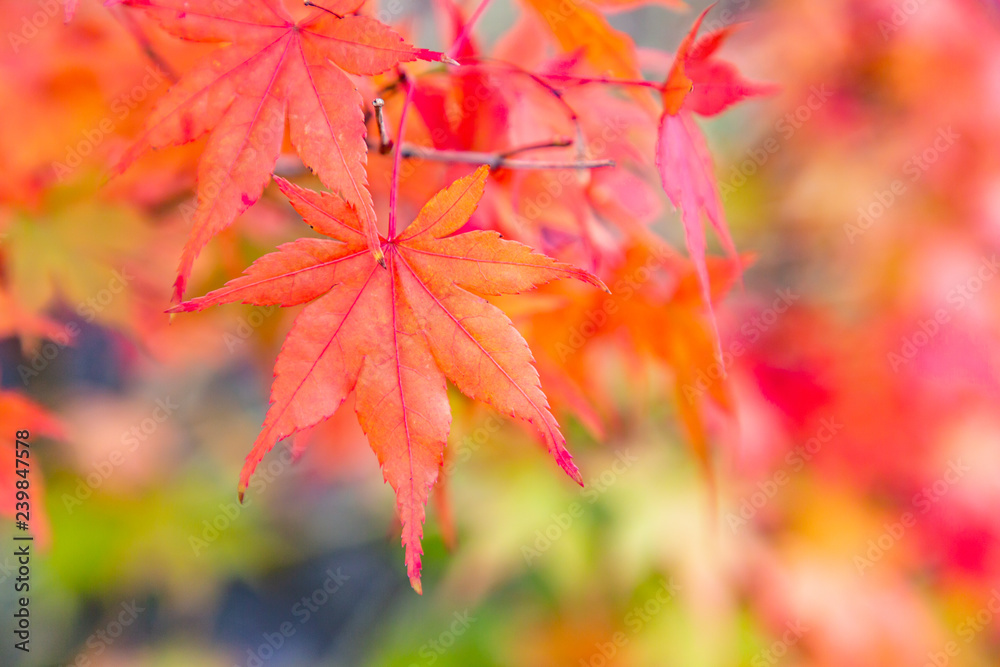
{"x": 385, "y": 143}
{"x": 497, "y": 160}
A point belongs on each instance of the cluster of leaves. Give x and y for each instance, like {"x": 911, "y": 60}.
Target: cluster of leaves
{"x": 394, "y": 313}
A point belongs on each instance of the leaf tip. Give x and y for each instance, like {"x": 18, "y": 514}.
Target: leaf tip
{"x": 566, "y": 463}
{"x": 240, "y": 491}
{"x": 588, "y": 277}
{"x": 416, "y": 585}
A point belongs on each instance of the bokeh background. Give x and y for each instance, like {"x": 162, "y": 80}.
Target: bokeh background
{"x": 855, "y": 436}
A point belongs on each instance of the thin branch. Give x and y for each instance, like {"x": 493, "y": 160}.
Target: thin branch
{"x": 560, "y": 142}
{"x": 496, "y": 160}
{"x": 385, "y": 143}
{"x": 292, "y": 168}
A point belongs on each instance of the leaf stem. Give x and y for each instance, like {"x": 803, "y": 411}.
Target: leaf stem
{"x": 569, "y": 78}
{"x": 396, "y": 158}
{"x": 310, "y": 3}
{"x": 571, "y": 114}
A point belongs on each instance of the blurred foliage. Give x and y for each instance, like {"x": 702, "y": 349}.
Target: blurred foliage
{"x": 854, "y": 434}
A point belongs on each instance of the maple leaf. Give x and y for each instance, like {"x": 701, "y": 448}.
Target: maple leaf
{"x": 700, "y": 84}
{"x": 660, "y": 312}
{"x": 272, "y": 66}
{"x": 394, "y": 336}
{"x": 576, "y": 25}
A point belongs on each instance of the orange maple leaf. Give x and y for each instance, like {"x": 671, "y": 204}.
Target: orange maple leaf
{"x": 394, "y": 336}
{"x": 578, "y": 26}
{"x": 272, "y": 66}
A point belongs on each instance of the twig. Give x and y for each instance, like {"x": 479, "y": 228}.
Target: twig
{"x": 561, "y": 142}
{"x": 496, "y": 160}
{"x": 385, "y": 143}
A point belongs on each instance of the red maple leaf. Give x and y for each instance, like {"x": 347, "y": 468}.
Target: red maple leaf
{"x": 701, "y": 84}
{"x": 272, "y": 66}
{"x": 394, "y": 335}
